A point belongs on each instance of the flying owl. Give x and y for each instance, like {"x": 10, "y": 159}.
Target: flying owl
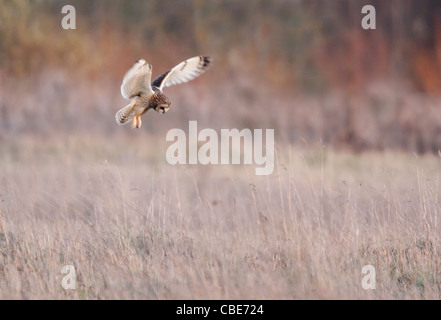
{"x": 145, "y": 95}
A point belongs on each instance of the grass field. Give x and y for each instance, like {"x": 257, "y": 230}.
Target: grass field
{"x": 136, "y": 227}
{"x": 356, "y": 116}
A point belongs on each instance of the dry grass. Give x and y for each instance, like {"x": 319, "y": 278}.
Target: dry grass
{"x": 135, "y": 227}
{"x": 75, "y": 189}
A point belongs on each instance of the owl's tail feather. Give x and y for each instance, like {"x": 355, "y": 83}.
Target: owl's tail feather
{"x": 125, "y": 114}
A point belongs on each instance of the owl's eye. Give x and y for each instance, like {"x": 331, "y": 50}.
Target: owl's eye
{"x": 162, "y": 109}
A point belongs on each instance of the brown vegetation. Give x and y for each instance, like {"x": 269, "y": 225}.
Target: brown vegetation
{"x": 307, "y": 68}
{"x": 77, "y": 189}
{"x": 135, "y": 227}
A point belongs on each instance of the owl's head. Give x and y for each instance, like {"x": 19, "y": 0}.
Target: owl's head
{"x": 162, "y": 103}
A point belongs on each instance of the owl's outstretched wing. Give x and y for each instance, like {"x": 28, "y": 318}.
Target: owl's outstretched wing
{"x": 136, "y": 81}
{"x": 185, "y": 71}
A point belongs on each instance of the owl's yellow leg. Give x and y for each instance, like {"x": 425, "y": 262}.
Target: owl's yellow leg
{"x": 134, "y": 122}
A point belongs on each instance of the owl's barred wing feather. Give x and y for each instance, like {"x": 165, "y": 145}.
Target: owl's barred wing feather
{"x": 183, "y": 72}
{"x": 125, "y": 114}
{"x": 136, "y": 81}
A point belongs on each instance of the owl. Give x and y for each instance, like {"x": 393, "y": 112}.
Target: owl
{"x": 144, "y": 95}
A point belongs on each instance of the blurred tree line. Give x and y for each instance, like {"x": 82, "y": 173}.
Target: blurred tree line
{"x": 296, "y": 44}
{"x": 367, "y": 89}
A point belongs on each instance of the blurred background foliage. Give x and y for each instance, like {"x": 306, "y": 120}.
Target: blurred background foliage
{"x": 305, "y": 67}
